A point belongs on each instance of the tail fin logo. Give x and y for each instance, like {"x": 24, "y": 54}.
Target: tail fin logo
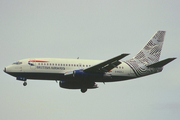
{"x": 152, "y": 50}
{"x": 150, "y": 54}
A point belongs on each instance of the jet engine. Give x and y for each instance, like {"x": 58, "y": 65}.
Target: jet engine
{"x": 78, "y": 85}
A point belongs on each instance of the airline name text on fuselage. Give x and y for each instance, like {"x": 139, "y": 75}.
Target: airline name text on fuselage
{"x": 47, "y": 67}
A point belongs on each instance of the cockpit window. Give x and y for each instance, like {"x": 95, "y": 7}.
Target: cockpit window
{"x": 17, "y": 63}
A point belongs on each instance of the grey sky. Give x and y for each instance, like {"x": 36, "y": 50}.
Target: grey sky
{"x": 89, "y": 30}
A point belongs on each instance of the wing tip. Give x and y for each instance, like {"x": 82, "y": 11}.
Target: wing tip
{"x": 125, "y": 54}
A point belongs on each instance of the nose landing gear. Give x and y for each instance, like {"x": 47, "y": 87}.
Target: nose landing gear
{"x": 22, "y": 79}
{"x": 25, "y": 83}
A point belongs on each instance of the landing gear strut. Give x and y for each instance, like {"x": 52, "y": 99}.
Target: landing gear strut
{"x": 25, "y": 83}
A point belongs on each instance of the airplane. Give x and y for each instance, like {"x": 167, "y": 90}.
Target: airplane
{"x": 83, "y": 74}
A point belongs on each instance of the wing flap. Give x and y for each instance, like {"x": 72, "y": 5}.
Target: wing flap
{"x": 107, "y": 65}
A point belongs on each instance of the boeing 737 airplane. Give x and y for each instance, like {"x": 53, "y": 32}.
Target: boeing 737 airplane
{"x": 82, "y": 74}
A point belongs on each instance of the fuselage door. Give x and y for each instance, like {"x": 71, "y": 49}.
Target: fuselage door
{"x": 80, "y": 66}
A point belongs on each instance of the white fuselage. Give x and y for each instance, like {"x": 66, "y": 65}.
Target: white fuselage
{"x": 54, "y": 69}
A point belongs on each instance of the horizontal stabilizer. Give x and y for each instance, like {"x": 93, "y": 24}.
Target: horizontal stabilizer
{"x": 161, "y": 63}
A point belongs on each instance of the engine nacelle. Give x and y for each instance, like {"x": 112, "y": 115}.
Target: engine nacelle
{"x": 77, "y": 85}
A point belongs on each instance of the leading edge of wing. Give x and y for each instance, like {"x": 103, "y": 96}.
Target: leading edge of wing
{"x": 107, "y": 65}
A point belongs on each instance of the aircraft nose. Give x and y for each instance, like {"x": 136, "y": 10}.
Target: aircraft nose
{"x": 5, "y": 69}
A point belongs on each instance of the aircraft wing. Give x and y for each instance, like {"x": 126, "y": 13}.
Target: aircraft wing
{"x": 106, "y": 66}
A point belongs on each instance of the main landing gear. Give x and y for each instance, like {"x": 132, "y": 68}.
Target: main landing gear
{"x": 25, "y": 83}
{"x": 22, "y": 79}
{"x": 83, "y": 90}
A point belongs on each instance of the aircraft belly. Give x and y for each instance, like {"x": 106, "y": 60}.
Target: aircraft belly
{"x": 114, "y": 78}
{"x": 43, "y": 76}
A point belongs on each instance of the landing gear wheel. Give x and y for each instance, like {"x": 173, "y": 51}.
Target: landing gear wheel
{"x": 83, "y": 90}
{"x": 25, "y": 83}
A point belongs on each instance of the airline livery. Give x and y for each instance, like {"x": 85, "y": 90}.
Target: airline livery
{"x": 82, "y": 74}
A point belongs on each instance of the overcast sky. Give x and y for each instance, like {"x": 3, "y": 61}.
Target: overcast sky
{"x": 94, "y": 29}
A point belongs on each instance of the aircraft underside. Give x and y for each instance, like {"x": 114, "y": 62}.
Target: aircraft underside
{"x": 61, "y": 77}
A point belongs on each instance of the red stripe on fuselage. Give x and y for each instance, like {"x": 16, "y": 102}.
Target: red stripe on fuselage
{"x": 38, "y": 61}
